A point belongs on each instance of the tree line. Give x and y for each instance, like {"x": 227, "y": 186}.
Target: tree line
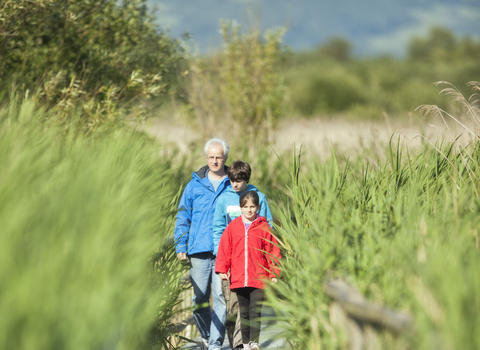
{"x": 99, "y": 58}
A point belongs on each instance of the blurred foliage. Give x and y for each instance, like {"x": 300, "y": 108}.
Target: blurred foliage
{"x": 84, "y": 248}
{"x": 96, "y": 55}
{"x": 337, "y": 48}
{"x": 442, "y": 45}
{"x": 238, "y": 92}
{"x": 328, "y": 81}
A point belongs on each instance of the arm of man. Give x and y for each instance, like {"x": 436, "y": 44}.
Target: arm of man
{"x": 183, "y": 223}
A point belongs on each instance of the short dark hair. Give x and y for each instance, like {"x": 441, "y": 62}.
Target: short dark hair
{"x": 238, "y": 171}
{"x": 247, "y": 195}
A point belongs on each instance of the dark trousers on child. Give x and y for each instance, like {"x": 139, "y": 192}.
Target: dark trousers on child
{"x": 250, "y": 309}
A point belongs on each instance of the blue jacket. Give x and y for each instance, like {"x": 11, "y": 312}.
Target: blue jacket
{"x": 228, "y": 209}
{"x": 193, "y": 228}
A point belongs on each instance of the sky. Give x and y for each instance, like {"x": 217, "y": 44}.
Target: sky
{"x": 374, "y": 27}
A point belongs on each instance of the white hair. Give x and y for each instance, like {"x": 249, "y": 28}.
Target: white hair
{"x": 217, "y": 141}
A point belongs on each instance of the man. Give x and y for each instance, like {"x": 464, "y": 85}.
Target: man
{"x": 194, "y": 240}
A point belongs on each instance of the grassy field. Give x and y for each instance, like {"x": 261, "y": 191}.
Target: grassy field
{"x": 403, "y": 231}
{"x": 405, "y": 234}
{"x": 85, "y": 221}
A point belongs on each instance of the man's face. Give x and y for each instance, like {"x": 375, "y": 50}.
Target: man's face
{"x": 216, "y": 160}
{"x": 239, "y": 185}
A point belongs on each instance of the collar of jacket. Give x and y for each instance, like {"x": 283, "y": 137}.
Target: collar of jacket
{"x": 258, "y": 220}
{"x": 202, "y": 172}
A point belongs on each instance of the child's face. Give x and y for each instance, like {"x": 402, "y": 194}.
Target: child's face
{"x": 249, "y": 210}
{"x": 239, "y": 185}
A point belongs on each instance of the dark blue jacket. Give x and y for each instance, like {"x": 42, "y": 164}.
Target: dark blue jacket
{"x": 194, "y": 225}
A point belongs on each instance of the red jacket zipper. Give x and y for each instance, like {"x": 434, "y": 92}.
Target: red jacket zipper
{"x": 246, "y": 254}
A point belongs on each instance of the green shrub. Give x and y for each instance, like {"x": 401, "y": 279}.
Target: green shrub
{"x": 370, "y": 87}
{"x": 325, "y": 89}
{"x": 94, "y": 56}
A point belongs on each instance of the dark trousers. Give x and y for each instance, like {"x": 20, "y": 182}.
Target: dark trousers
{"x": 250, "y": 309}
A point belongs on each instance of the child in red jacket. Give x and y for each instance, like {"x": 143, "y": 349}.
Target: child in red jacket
{"x": 248, "y": 255}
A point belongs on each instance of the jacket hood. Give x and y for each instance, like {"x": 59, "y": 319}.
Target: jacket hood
{"x": 230, "y": 189}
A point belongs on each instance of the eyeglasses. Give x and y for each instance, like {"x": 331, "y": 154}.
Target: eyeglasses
{"x": 212, "y": 158}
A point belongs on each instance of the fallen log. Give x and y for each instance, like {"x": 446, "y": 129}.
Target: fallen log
{"x": 356, "y": 307}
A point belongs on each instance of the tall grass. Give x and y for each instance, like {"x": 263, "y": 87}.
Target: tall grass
{"x": 85, "y": 263}
{"x": 404, "y": 232}
{"x": 81, "y": 221}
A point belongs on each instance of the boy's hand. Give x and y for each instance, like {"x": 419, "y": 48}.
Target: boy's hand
{"x": 182, "y": 256}
{"x": 224, "y": 276}
{"x": 274, "y": 280}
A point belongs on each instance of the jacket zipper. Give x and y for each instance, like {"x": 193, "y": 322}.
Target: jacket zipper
{"x": 246, "y": 255}
{"x": 246, "y": 250}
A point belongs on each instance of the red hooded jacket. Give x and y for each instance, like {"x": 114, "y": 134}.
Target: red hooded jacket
{"x": 250, "y": 254}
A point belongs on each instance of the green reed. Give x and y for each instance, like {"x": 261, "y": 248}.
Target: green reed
{"x": 83, "y": 221}
{"x": 404, "y": 232}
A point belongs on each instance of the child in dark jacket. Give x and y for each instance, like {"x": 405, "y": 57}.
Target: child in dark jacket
{"x": 248, "y": 255}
